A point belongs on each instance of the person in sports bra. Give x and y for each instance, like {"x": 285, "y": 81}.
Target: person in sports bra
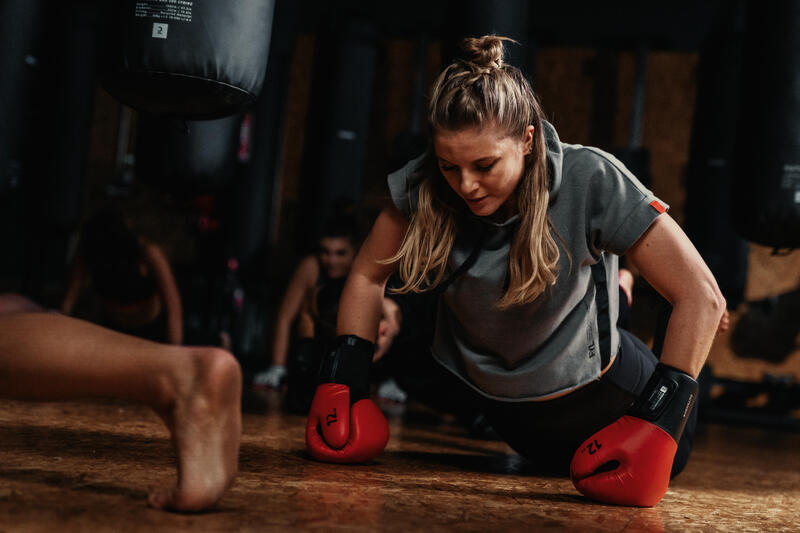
{"x": 130, "y": 276}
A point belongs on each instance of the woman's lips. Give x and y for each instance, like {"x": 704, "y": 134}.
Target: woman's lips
{"x": 476, "y": 201}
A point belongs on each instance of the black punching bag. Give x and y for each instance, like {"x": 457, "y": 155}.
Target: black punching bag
{"x": 337, "y": 130}
{"x": 765, "y": 206}
{"x": 20, "y": 27}
{"x": 708, "y": 174}
{"x": 198, "y": 59}
{"x": 186, "y": 157}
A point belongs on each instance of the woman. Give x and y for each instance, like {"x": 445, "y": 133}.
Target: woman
{"x": 311, "y": 299}
{"x": 311, "y": 303}
{"x": 132, "y": 278}
{"x": 521, "y": 235}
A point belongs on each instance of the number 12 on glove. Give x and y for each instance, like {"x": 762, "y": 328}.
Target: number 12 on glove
{"x": 629, "y": 461}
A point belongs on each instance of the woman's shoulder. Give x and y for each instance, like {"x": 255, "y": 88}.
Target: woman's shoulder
{"x": 590, "y": 161}
{"x": 308, "y": 269}
{"x": 579, "y": 156}
{"x": 151, "y": 252}
{"x": 404, "y": 185}
{"x": 309, "y": 263}
{"x": 574, "y": 161}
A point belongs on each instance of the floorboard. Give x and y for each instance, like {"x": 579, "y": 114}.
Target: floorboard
{"x": 87, "y": 466}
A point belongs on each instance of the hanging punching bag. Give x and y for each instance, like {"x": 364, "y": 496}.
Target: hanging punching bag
{"x": 765, "y": 198}
{"x": 20, "y": 27}
{"x": 708, "y": 173}
{"x": 198, "y": 59}
{"x": 186, "y": 157}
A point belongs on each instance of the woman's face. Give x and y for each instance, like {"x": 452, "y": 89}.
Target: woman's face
{"x": 483, "y": 166}
{"x": 336, "y": 255}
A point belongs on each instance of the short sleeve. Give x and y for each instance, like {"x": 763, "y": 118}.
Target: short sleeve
{"x": 619, "y": 208}
{"x": 404, "y": 186}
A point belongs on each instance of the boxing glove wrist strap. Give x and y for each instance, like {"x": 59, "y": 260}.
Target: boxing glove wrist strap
{"x": 349, "y": 364}
{"x": 667, "y": 399}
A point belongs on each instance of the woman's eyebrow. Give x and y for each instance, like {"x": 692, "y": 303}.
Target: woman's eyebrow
{"x": 485, "y": 159}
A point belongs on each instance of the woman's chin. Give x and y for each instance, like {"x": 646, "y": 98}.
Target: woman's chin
{"x": 482, "y": 210}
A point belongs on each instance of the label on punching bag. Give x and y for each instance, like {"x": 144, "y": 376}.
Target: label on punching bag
{"x": 178, "y": 10}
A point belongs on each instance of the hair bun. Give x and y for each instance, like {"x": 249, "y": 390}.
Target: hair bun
{"x": 485, "y": 52}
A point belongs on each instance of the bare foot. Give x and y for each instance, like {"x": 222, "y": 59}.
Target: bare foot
{"x": 626, "y": 284}
{"x": 205, "y": 423}
{"x": 724, "y": 322}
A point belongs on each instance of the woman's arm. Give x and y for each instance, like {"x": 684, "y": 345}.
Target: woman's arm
{"x": 168, "y": 290}
{"x": 361, "y": 304}
{"x": 344, "y": 425}
{"x": 305, "y": 322}
{"x": 667, "y": 259}
{"x": 304, "y": 278}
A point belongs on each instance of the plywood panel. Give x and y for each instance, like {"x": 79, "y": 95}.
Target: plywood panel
{"x": 86, "y": 466}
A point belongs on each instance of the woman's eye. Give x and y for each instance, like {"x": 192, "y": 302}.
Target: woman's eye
{"x": 446, "y": 169}
{"x": 486, "y": 168}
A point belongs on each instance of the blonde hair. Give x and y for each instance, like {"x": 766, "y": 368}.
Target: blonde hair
{"x": 478, "y": 91}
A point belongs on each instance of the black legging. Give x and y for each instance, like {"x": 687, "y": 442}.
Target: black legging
{"x": 548, "y": 432}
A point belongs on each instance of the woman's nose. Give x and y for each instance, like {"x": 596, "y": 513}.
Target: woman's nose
{"x": 469, "y": 183}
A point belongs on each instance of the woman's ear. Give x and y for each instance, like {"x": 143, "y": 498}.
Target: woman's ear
{"x": 528, "y": 139}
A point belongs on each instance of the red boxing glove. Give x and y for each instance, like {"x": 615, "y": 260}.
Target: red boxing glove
{"x": 344, "y": 425}
{"x": 339, "y": 433}
{"x": 629, "y": 461}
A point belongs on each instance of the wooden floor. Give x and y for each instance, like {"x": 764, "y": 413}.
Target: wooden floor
{"x": 87, "y": 466}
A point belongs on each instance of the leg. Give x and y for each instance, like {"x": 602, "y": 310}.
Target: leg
{"x": 196, "y": 391}
{"x": 428, "y": 382}
{"x": 624, "y": 317}
{"x": 304, "y": 360}
{"x": 548, "y": 433}
{"x": 16, "y": 303}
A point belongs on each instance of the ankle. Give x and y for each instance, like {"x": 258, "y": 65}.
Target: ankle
{"x": 198, "y": 370}
{"x": 216, "y": 373}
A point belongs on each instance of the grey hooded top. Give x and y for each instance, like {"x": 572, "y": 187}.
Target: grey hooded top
{"x": 552, "y": 345}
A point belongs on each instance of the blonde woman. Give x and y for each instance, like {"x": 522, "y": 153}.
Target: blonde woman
{"x": 521, "y": 233}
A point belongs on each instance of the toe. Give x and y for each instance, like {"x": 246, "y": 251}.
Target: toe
{"x": 159, "y": 499}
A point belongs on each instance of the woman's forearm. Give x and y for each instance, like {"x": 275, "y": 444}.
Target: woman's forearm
{"x": 691, "y": 330}
{"x": 280, "y": 342}
{"x": 360, "y": 307}
{"x": 670, "y": 263}
{"x": 175, "y": 327}
{"x": 361, "y": 304}
{"x": 174, "y": 310}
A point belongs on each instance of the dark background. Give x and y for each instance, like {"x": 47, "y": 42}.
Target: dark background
{"x": 660, "y": 84}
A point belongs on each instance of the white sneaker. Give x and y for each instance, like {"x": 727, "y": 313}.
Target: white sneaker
{"x": 273, "y": 377}
{"x": 390, "y": 390}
